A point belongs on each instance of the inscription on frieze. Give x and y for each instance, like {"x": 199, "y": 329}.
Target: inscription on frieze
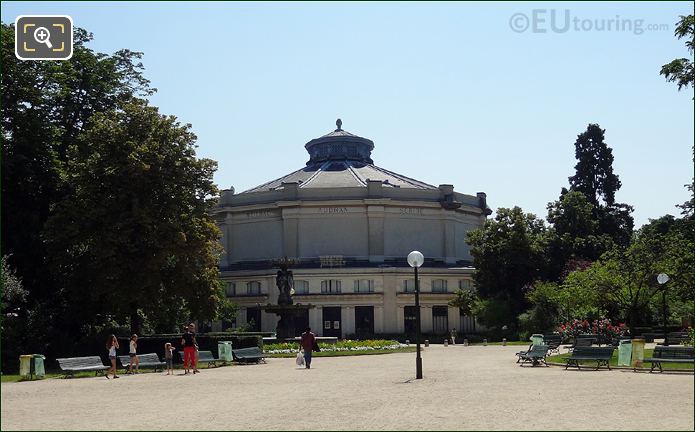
{"x": 260, "y": 214}
{"x": 333, "y": 210}
{"x": 411, "y": 211}
{"x": 332, "y": 261}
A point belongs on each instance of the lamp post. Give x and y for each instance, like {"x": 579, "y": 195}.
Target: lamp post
{"x": 662, "y": 279}
{"x": 415, "y": 260}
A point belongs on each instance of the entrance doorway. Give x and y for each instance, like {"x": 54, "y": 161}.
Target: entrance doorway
{"x": 409, "y": 320}
{"x": 301, "y": 322}
{"x": 440, "y": 319}
{"x": 253, "y": 318}
{"x": 364, "y": 321}
{"x": 331, "y": 322}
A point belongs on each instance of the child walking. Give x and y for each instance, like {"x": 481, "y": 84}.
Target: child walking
{"x": 169, "y": 357}
{"x": 112, "y": 346}
{"x": 134, "y": 354}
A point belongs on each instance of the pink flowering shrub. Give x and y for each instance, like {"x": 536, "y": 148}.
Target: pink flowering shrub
{"x": 601, "y": 327}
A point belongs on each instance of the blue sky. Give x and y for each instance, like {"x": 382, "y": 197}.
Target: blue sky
{"x": 448, "y": 92}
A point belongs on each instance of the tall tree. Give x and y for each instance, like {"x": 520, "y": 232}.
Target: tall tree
{"x": 575, "y": 232}
{"x": 508, "y": 254}
{"x": 136, "y": 227}
{"x": 595, "y": 179}
{"x": 681, "y": 70}
{"x": 45, "y": 106}
{"x": 594, "y": 175}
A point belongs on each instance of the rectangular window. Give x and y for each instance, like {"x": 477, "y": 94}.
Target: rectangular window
{"x": 439, "y": 285}
{"x": 301, "y": 287}
{"x": 230, "y": 289}
{"x": 466, "y": 284}
{"x": 253, "y": 288}
{"x": 330, "y": 286}
{"x": 326, "y": 325}
{"x": 364, "y": 286}
{"x": 409, "y": 285}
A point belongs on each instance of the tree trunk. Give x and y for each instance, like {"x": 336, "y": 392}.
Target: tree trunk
{"x": 134, "y": 319}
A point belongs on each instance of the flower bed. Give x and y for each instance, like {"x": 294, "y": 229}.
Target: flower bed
{"x": 344, "y": 345}
{"x": 603, "y": 328}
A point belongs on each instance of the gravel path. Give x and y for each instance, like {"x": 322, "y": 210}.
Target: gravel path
{"x": 464, "y": 388}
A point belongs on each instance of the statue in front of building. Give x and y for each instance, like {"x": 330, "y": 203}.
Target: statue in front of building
{"x": 285, "y": 283}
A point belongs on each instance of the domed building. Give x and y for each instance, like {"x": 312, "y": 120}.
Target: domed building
{"x": 348, "y": 226}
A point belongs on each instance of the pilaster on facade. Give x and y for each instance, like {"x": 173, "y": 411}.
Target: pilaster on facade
{"x": 316, "y": 320}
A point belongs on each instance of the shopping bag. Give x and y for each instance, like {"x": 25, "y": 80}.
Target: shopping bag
{"x": 300, "y": 359}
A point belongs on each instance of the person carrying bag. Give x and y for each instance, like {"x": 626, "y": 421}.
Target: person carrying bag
{"x": 308, "y": 343}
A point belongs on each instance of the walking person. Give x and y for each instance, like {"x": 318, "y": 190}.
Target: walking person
{"x": 169, "y": 357}
{"x": 112, "y": 346}
{"x": 189, "y": 350}
{"x": 308, "y": 343}
{"x": 453, "y": 337}
{"x": 133, "y": 352}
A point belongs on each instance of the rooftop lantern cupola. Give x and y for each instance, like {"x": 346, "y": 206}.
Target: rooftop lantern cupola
{"x": 339, "y": 145}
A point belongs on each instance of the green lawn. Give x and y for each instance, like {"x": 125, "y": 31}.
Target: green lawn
{"x": 562, "y": 358}
{"x": 347, "y": 353}
{"x": 17, "y": 378}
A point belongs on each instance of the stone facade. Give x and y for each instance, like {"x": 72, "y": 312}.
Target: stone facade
{"x": 349, "y": 225}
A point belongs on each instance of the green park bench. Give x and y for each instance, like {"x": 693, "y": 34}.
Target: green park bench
{"x": 81, "y": 364}
{"x": 150, "y": 360}
{"x": 553, "y": 341}
{"x": 535, "y": 355}
{"x": 248, "y": 355}
{"x": 676, "y": 338}
{"x": 208, "y": 358}
{"x": 670, "y": 354}
{"x": 601, "y": 355}
{"x": 582, "y": 342}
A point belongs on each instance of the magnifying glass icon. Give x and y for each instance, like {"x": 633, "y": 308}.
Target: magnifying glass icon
{"x": 42, "y": 35}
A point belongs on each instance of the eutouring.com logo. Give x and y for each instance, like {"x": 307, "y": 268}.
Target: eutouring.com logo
{"x": 562, "y": 21}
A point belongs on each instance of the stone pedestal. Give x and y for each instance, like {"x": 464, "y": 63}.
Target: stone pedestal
{"x": 287, "y": 313}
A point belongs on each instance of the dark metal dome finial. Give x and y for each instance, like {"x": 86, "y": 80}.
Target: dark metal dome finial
{"x": 339, "y": 123}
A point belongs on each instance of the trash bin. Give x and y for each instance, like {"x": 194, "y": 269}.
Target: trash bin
{"x": 39, "y": 369}
{"x": 537, "y": 339}
{"x": 224, "y": 351}
{"x": 637, "y": 352}
{"x": 625, "y": 352}
{"x": 25, "y": 366}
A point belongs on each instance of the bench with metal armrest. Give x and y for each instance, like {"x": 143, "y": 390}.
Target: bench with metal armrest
{"x": 601, "y": 355}
{"x": 669, "y": 354}
{"x": 82, "y": 364}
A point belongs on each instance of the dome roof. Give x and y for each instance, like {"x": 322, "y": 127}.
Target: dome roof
{"x": 341, "y": 159}
{"x": 339, "y": 145}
